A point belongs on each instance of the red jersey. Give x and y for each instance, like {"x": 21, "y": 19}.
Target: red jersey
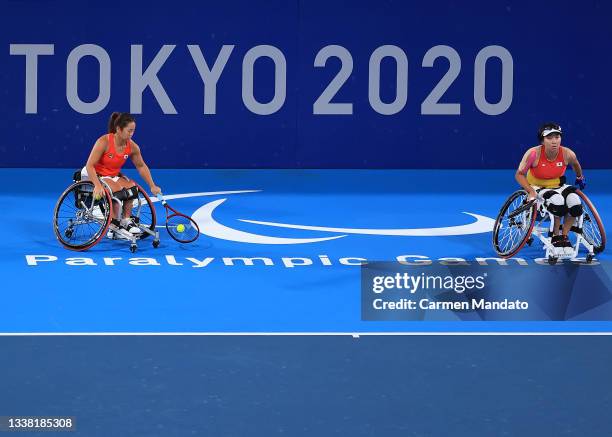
{"x": 111, "y": 162}
{"x": 547, "y": 173}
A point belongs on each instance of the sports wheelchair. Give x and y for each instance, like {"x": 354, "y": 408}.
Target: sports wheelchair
{"x": 80, "y": 221}
{"x": 519, "y": 219}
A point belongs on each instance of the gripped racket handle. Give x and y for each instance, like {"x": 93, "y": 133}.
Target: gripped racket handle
{"x": 160, "y": 197}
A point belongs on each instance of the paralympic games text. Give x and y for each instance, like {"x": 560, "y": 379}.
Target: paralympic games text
{"x": 287, "y": 262}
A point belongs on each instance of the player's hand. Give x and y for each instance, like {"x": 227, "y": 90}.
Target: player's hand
{"x": 531, "y": 195}
{"x": 155, "y": 190}
{"x": 98, "y": 192}
{"x": 580, "y": 182}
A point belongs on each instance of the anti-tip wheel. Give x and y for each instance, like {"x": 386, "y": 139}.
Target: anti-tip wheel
{"x": 156, "y": 243}
{"x": 133, "y": 248}
{"x": 589, "y": 258}
{"x": 552, "y": 260}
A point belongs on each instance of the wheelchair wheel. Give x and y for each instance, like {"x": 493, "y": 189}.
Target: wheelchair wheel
{"x": 514, "y": 224}
{"x": 143, "y": 212}
{"x": 592, "y": 227}
{"x": 80, "y": 221}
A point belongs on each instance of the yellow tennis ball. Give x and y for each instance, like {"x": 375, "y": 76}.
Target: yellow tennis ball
{"x": 98, "y": 196}
{"x": 180, "y": 228}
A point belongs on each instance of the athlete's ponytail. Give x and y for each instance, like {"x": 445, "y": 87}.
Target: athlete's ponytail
{"x": 119, "y": 120}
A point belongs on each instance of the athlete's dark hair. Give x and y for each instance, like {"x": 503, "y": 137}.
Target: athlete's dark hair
{"x": 546, "y": 126}
{"x": 119, "y": 119}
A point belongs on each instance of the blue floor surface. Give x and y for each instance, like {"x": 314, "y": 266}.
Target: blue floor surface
{"x": 341, "y": 217}
{"x": 312, "y": 386}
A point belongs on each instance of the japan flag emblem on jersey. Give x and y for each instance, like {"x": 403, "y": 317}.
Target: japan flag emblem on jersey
{"x": 125, "y": 157}
{"x": 559, "y": 164}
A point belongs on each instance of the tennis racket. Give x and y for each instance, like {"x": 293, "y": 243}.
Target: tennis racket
{"x": 180, "y": 227}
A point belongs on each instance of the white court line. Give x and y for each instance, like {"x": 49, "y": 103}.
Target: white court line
{"x": 202, "y": 194}
{"x": 280, "y": 334}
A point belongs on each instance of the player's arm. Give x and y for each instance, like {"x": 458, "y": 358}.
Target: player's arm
{"x": 572, "y": 161}
{"x": 143, "y": 169}
{"x": 94, "y": 157}
{"x": 521, "y": 173}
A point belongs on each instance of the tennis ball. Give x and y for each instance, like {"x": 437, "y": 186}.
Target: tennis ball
{"x": 98, "y": 196}
{"x": 180, "y": 228}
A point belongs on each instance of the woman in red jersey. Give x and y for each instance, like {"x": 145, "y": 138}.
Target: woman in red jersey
{"x": 542, "y": 170}
{"x": 108, "y": 155}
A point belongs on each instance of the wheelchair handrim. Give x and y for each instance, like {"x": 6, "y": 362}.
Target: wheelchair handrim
{"x": 151, "y": 207}
{"x": 593, "y": 214}
{"x": 99, "y": 234}
{"x": 500, "y": 218}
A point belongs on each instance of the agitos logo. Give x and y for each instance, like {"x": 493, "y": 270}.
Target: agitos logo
{"x": 212, "y": 228}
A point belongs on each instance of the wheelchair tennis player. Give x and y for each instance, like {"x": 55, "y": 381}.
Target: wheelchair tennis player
{"x": 542, "y": 171}
{"x": 107, "y": 157}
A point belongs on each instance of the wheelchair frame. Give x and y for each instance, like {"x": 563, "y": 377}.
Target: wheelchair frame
{"x": 125, "y": 235}
{"x": 536, "y": 210}
{"x": 88, "y": 213}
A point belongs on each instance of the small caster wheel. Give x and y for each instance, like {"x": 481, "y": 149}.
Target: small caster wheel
{"x": 530, "y": 241}
{"x": 156, "y": 243}
{"x": 552, "y": 260}
{"x": 133, "y": 248}
{"x": 589, "y": 258}
{"x": 68, "y": 233}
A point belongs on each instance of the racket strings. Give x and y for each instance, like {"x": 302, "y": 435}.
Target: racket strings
{"x": 182, "y": 228}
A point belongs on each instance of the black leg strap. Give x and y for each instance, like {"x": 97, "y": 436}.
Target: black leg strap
{"x": 126, "y": 193}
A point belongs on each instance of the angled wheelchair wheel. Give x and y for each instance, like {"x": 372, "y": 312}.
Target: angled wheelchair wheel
{"x": 143, "y": 212}
{"x": 592, "y": 227}
{"x": 79, "y": 220}
{"x": 514, "y": 224}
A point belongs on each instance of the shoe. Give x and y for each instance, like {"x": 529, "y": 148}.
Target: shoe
{"x": 567, "y": 245}
{"x": 561, "y": 241}
{"x": 562, "y": 245}
{"x": 130, "y": 226}
{"x": 558, "y": 241}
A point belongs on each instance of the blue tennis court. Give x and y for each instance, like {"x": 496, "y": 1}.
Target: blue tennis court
{"x": 303, "y": 385}
{"x": 280, "y": 251}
